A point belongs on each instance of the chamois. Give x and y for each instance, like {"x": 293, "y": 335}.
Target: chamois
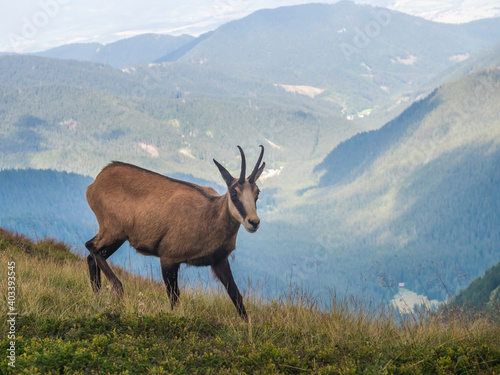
{"x": 177, "y": 221}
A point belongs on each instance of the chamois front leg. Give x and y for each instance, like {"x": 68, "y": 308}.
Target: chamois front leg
{"x": 98, "y": 262}
{"x": 223, "y": 272}
{"x": 169, "y": 273}
{"x": 94, "y": 273}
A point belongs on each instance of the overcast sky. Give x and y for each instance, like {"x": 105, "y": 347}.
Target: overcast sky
{"x": 36, "y": 25}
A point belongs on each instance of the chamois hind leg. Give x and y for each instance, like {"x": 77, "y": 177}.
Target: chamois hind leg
{"x": 97, "y": 262}
{"x": 169, "y": 273}
{"x": 223, "y": 272}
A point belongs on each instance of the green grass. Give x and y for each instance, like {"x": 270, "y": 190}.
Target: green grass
{"x": 63, "y": 328}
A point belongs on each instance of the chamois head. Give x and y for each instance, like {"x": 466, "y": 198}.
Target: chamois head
{"x": 243, "y": 192}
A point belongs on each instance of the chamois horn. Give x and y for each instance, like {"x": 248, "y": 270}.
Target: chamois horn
{"x": 243, "y": 167}
{"x": 251, "y": 178}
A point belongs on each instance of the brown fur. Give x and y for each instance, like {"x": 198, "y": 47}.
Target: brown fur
{"x": 178, "y": 221}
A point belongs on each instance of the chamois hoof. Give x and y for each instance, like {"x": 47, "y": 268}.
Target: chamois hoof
{"x": 118, "y": 288}
{"x": 96, "y": 288}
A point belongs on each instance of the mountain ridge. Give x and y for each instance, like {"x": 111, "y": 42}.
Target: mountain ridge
{"x": 141, "y": 49}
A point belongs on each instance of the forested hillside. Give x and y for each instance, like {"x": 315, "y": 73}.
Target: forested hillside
{"x": 482, "y": 293}
{"x": 286, "y": 82}
{"x": 418, "y": 200}
{"x": 352, "y": 157}
{"x": 64, "y": 124}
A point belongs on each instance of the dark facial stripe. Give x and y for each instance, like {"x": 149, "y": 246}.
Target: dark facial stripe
{"x": 237, "y": 203}
{"x": 239, "y": 206}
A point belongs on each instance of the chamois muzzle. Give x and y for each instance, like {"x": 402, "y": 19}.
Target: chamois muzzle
{"x": 255, "y": 223}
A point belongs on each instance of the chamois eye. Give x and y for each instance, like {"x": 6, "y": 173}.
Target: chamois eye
{"x": 234, "y": 194}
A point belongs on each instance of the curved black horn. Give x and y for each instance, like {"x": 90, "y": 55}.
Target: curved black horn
{"x": 251, "y": 178}
{"x": 243, "y": 167}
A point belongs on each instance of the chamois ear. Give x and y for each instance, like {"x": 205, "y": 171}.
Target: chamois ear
{"x": 224, "y": 173}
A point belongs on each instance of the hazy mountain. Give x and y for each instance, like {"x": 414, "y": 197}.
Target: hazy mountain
{"x": 352, "y": 157}
{"x": 357, "y": 59}
{"x": 353, "y": 56}
{"x": 104, "y": 23}
{"x": 74, "y": 51}
{"x": 141, "y": 49}
{"x": 178, "y": 53}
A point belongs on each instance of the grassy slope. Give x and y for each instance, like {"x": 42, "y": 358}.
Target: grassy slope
{"x": 62, "y": 327}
